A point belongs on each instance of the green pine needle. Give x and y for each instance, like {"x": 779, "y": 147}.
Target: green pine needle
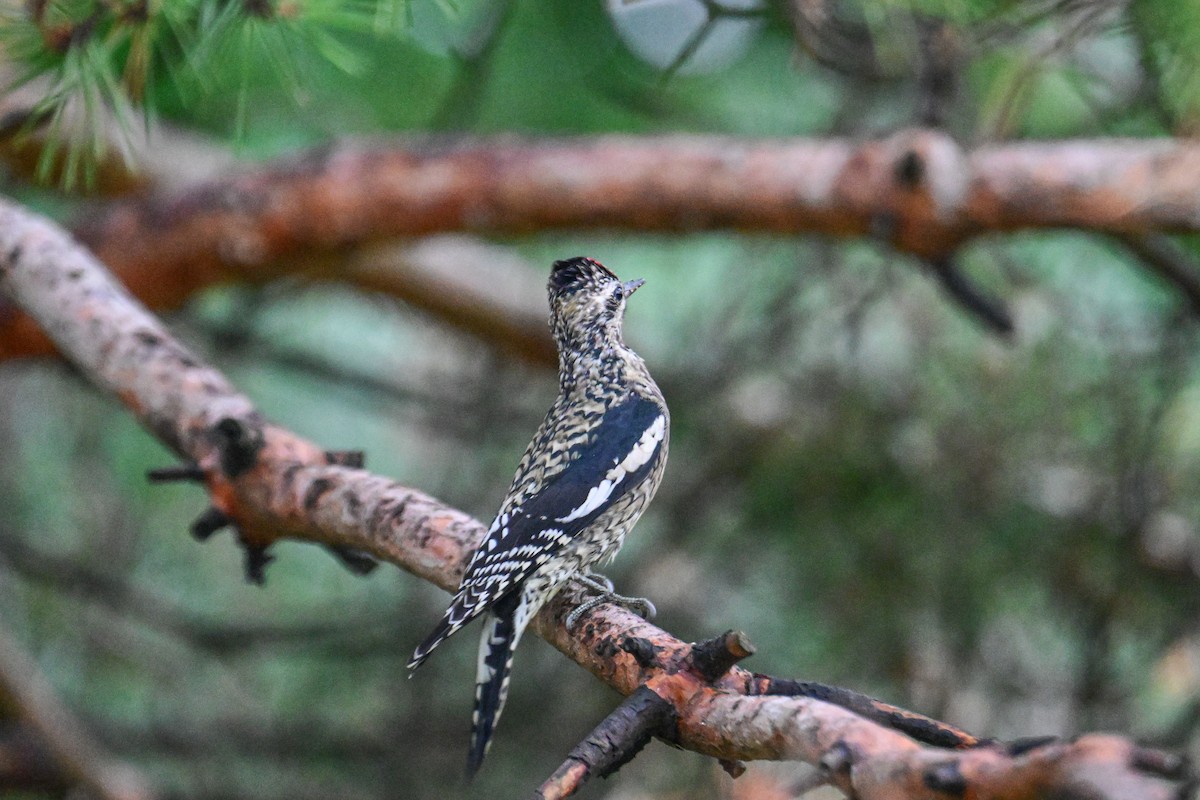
{"x": 101, "y": 60}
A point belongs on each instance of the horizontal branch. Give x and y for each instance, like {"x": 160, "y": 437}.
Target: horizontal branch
{"x": 916, "y": 189}
{"x": 271, "y": 484}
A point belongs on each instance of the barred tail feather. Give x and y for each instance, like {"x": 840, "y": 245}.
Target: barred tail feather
{"x": 439, "y": 635}
{"x": 457, "y": 615}
{"x": 496, "y": 648}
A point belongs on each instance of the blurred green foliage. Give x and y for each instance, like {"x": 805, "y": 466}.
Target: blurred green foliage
{"x": 1001, "y": 534}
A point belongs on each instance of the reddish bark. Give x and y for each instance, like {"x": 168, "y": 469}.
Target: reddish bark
{"x": 916, "y": 189}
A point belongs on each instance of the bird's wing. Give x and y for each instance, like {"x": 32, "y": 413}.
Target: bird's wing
{"x": 619, "y": 455}
{"x": 616, "y": 458}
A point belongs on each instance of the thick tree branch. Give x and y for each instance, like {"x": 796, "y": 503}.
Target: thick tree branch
{"x": 271, "y": 484}
{"x": 916, "y": 189}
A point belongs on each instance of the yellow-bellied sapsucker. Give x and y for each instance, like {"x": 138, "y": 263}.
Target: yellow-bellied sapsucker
{"x": 584, "y": 480}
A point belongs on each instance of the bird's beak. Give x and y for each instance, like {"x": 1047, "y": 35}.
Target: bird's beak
{"x": 632, "y": 286}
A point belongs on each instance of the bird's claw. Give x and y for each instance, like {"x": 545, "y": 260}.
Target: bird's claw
{"x": 594, "y": 580}
{"x": 604, "y": 587}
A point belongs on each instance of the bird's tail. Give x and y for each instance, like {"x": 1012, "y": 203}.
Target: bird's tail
{"x": 457, "y": 615}
{"x": 496, "y": 647}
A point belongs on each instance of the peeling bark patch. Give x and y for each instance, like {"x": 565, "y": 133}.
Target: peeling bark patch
{"x": 316, "y": 490}
{"x": 148, "y": 338}
{"x": 606, "y": 648}
{"x": 353, "y": 504}
{"x": 838, "y": 759}
{"x": 946, "y": 778}
{"x": 424, "y": 534}
{"x": 1019, "y": 747}
{"x": 396, "y": 515}
{"x": 1165, "y": 765}
{"x": 642, "y": 650}
{"x": 289, "y": 473}
{"x": 390, "y": 512}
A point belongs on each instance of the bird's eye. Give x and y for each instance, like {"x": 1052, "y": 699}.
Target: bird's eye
{"x": 619, "y": 293}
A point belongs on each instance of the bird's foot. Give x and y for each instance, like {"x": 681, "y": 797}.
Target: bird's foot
{"x": 594, "y": 580}
{"x": 598, "y": 583}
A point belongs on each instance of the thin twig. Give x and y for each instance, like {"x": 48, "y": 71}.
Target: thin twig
{"x": 1170, "y": 262}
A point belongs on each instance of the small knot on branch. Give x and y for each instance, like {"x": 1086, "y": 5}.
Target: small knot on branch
{"x": 256, "y": 556}
{"x": 838, "y": 759}
{"x": 358, "y": 562}
{"x": 238, "y": 444}
{"x": 255, "y": 564}
{"x": 714, "y": 657}
{"x": 642, "y": 650}
{"x": 355, "y": 459}
{"x": 1165, "y": 765}
{"x": 208, "y": 523}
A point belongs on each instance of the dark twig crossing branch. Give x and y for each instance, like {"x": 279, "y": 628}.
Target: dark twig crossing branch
{"x": 988, "y": 310}
{"x": 916, "y": 726}
{"x": 613, "y": 743}
{"x": 1170, "y": 262}
{"x": 642, "y": 716}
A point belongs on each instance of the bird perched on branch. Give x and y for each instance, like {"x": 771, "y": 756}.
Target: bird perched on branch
{"x": 584, "y": 480}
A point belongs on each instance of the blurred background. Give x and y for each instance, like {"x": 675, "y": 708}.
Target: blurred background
{"x": 882, "y": 492}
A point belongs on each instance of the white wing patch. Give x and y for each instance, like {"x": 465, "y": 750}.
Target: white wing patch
{"x": 642, "y": 452}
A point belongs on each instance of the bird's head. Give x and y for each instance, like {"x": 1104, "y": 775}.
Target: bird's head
{"x": 587, "y": 303}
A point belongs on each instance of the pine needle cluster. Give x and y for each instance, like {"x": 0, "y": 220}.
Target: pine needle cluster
{"x": 100, "y": 66}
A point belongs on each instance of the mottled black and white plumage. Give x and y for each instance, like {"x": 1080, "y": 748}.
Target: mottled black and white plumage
{"x": 584, "y": 480}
